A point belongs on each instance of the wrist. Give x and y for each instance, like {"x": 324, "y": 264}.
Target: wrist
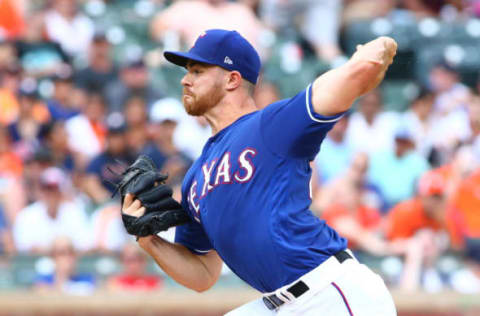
{"x": 148, "y": 243}
{"x": 145, "y": 242}
{"x": 366, "y": 57}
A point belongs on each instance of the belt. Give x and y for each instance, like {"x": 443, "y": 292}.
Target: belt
{"x": 273, "y": 301}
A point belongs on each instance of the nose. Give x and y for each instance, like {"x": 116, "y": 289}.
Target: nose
{"x": 185, "y": 80}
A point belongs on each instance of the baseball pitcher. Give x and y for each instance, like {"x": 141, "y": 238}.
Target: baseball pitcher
{"x": 245, "y": 201}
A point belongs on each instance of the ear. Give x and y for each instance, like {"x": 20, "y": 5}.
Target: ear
{"x": 234, "y": 80}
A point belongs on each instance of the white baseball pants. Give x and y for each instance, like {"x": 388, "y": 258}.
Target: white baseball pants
{"x": 346, "y": 289}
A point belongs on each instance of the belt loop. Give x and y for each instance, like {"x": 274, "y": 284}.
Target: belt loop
{"x": 351, "y": 254}
{"x": 284, "y": 295}
{"x": 271, "y": 305}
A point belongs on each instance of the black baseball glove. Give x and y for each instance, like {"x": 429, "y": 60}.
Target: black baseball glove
{"x": 143, "y": 180}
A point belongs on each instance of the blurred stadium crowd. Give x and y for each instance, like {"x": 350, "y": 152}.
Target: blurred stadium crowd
{"x": 84, "y": 89}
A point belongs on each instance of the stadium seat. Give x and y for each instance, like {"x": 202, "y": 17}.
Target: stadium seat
{"x": 361, "y": 32}
{"x": 23, "y": 270}
{"x": 100, "y": 266}
{"x": 290, "y": 67}
{"x": 167, "y": 78}
{"x": 6, "y": 277}
{"x": 398, "y": 94}
{"x": 464, "y": 58}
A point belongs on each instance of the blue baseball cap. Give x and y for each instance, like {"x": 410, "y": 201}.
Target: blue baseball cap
{"x": 227, "y": 49}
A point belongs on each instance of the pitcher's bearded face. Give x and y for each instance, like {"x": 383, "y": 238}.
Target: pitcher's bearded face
{"x": 202, "y": 88}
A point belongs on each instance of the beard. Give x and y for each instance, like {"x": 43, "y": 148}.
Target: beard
{"x": 198, "y": 105}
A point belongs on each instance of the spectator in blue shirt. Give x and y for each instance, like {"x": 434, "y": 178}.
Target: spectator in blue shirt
{"x": 336, "y": 154}
{"x": 104, "y": 169}
{"x": 60, "y": 105}
{"x": 55, "y": 140}
{"x": 396, "y": 172}
{"x": 64, "y": 278}
{"x": 164, "y": 119}
{"x": 6, "y": 241}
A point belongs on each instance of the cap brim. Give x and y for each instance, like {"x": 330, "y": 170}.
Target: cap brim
{"x": 182, "y": 58}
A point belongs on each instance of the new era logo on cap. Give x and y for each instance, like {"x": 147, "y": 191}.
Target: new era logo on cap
{"x": 227, "y": 49}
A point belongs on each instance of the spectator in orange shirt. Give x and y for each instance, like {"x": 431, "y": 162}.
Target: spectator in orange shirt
{"x": 464, "y": 215}
{"x": 418, "y": 228}
{"x": 9, "y": 84}
{"x": 458, "y": 194}
{"x": 10, "y": 163}
{"x": 12, "y": 192}
{"x": 464, "y": 224}
{"x": 359, "y": 224}
{"x": 134, "y": 276}
{"x": 425, "y": 211}
{"x": 12, "y": 22}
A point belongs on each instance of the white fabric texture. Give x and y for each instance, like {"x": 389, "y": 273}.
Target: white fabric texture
{"x": 81, "y": 136}
{"x": 421, "y": 131}
{"x": 108, "y": 232}
{"x": 351, "y": 289}
{"x": 74, "y": 36}
{"x": 190, "y": 137}
{"x": 34, "y": 228}
{"x": 372, "y": 138}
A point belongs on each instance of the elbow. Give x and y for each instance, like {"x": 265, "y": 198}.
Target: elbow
{"x": 202, "y": 287}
